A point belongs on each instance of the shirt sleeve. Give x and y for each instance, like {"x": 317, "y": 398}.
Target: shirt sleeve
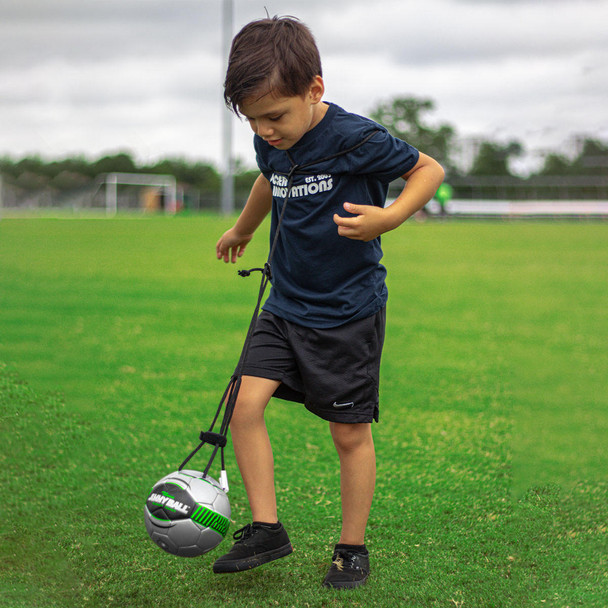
{"x": 384, "y": 157}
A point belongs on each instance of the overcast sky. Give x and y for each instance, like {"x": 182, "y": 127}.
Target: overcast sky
{"x": 98, "y": 76}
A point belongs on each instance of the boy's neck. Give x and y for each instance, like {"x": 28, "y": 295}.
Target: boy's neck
{"x": 319, "y": 112}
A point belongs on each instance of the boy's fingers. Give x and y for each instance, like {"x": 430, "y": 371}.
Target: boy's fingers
{"x": 237, "y": 252}
{"x": 344, "y": 221}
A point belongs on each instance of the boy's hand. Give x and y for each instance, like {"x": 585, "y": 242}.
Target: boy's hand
{"x": 369, "y": 223}
{"x": 421, "y": 183}
{"x": 231, "y": 245}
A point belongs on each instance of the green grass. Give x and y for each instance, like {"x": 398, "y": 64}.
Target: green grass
{"x": 119, "y": 336}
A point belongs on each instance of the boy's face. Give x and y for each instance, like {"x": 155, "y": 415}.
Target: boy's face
{"x": 282, "y": 121}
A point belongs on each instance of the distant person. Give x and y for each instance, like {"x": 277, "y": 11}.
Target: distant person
{"x": 319, "y": 338}
{"x": 443, "y": 196}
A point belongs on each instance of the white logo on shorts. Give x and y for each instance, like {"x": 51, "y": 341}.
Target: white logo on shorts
{"x": 343, "y": 406}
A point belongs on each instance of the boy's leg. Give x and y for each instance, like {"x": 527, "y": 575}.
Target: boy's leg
{"x": 252, "y": 446}
{"x": 350, "y": 562}
{"x": 355, "y": 446}
{"x": 265, "y": 540}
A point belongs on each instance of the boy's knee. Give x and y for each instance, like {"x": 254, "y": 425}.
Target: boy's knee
{"x": 252, "y": 400}
{"x": 351, "y": 437}
{"x": 246, "y": 411}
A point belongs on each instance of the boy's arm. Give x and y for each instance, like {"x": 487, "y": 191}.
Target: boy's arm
{"x": 233, "y": 242}
{"x": 370, "y": 222}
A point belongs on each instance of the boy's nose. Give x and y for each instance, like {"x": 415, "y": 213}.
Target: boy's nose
{"x": 264, "y": 129}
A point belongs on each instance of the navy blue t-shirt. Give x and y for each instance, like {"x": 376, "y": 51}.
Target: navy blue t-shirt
{"x": 321, "y": 279}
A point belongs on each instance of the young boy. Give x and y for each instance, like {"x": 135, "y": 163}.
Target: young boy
{"x": 319, "y": 337}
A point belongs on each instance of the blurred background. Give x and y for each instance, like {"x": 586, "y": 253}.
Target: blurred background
{"x": 493, "y": 454}
{"x": 508, "y": 95}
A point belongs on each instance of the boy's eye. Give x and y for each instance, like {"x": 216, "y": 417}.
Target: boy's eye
{"x": 275, "y": 118}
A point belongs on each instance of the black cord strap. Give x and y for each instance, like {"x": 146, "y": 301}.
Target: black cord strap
{"x": 228, "y": 400}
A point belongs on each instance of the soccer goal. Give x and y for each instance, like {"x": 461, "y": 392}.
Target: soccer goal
{"x": 160, "y": 193}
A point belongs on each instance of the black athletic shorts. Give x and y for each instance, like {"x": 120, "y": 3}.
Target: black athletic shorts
{"x": 334, "y": 372}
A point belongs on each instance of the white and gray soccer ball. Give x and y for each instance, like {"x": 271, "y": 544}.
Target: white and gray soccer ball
{"x": 187, "y": 513}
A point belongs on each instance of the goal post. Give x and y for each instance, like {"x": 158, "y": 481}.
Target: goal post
{"x": 113, "y": 180}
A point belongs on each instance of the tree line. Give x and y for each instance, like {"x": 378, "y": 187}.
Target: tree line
{"x": 583, "y": 174}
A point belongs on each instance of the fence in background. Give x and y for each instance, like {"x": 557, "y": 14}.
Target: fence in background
{"x": 111, "y": 193}
{"x": 505, "y": 209}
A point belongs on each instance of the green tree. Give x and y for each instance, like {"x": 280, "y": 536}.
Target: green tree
{"x": 593, "y": 158}
{"x": 31, "y": 164}
{"x": 405, "y": 118}
{"x": 556, "y": 164}
{"x": 197, "y": 174}
{"x": 119, "y": 163}
{"x": 7, "y": 166}
{"x": 493, "y": 158}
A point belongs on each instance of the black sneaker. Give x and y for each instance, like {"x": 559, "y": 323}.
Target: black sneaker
{"x": 256, "y": 544}
{"x": 349, "y": 568}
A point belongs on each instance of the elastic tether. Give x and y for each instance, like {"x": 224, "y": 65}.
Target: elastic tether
{"x": 219, "y": 440}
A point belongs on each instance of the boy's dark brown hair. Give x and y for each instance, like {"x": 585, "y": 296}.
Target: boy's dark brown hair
{"x": 277, "y": 54}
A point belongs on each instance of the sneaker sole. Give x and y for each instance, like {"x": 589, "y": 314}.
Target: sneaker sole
{"x": 345, "y": 584}
{"x": 239, "y": 565}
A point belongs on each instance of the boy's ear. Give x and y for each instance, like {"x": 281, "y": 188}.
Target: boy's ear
{"x": 317, "y": 89}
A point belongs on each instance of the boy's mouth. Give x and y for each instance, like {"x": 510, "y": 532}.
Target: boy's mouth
{"x": 274, "y": 142}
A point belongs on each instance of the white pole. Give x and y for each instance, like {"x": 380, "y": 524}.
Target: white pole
{"x": 111, "y": 193}
{"x": 172, "y": 188}
{"x": 227, "y": 203}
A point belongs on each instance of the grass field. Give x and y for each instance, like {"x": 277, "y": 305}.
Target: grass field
{"x": 117, "y": 338}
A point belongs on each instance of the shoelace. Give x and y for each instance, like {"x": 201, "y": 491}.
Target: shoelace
{"x": 348, "y": 559}
{"x": 244, "y": 533}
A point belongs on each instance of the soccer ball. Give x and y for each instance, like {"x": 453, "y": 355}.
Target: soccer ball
{"x": 187, "y": 513}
